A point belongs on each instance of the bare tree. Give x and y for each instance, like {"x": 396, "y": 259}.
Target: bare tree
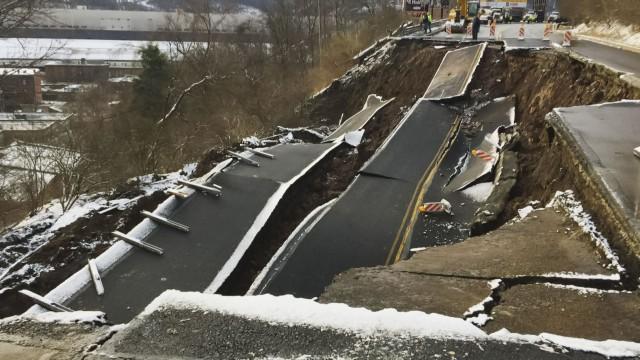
{"x": 16, "y": 13}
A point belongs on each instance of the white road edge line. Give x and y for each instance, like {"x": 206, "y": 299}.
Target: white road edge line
{"x": 324, "y": 208}
{"x": 119, "y": 250}
{"x": 258, "y": 224}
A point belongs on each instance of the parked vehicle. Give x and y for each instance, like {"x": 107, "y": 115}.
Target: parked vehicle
{"x": 530, "y": 16}
{"x": 496, "y": 14}
{"x": 555, "y": 17}
{"x": 485, "y": 15}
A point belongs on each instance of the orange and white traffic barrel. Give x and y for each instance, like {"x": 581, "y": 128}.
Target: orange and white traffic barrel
{"x": 548, "y": 30}
{"x": 483, "y": 155}
{"x": 492, "y": 30}
{"x": 521, "y": 31}
{"x": 443, "y": 206}
{"x": 567, "y": 39}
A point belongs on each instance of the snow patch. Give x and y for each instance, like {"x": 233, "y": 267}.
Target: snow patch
{"x": 75, "y": 317}
{"x": 525, "y": 211}
{"x": 608, "y": 348}
{"x": 290, "y": 311}
{"x": 567, "y": 201}
{"x": 581, "y": 276}
{"x": 479, "y": 192}
{"x": 585, "y": 290}
{"x": 354, "y": 138}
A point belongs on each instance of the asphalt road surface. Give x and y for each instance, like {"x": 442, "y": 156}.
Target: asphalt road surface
{"x": 361, "y": 228}
{"x": 359, "y": 120}
{"x": 504, "y": 31}
{"x": 218, "y": 224}
{"x": 177, "y": 333}
{"x": 442, "y": 229}
{"x": 455, "y": 73}
{"x": 617, "y": 59}
{"x": 606, "y": 135}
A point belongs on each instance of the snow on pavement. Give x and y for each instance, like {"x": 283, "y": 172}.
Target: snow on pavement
{"x": 288, "y": 310}
{"x": 479, "y": 192}
{"x": 74, "y": 317}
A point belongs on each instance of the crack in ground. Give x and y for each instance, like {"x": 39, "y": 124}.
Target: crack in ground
{"x": 91, "y": 348}
{"x": 501, "y": 285}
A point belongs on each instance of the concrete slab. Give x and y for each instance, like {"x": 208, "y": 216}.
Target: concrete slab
{"x": 27, "y": 339}
{"x": 184, "y": 332}
{"x": 559, "y": 246}
{"x": 12, "y": 351}
{"x": 371, "y": 288}
{"x": 514, "y": 44}
{"x": 532, "y": 309}
{"x": 455, "y": 73}
{"x": 603, "y": 137}
{"x": 373, "y": 104}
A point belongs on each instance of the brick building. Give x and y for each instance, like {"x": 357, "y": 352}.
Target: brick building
{"x": 76, "y": 73}
{"x": 19, "y": 87}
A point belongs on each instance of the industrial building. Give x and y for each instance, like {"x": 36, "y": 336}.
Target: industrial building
{"x": 145, "y": 21}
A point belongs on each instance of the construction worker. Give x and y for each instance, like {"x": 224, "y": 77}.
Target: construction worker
{"x": 426, "y": 22}
{"x": 475, "y": 27}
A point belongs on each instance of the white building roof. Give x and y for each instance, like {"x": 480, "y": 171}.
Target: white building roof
{"x": 73, "y": 49}
{"x": 30, "y": 121}
{"x": 19, "y": 71}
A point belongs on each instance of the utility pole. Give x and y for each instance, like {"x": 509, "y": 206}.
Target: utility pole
{"x": 319, "y": 36}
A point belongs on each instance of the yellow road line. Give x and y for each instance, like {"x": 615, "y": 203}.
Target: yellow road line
{"x": 400, "y": 240}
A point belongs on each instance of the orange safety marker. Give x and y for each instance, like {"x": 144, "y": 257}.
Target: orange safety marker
{"x": 482, "y": 155}
{"x": 436, "y": 207}
{"x": 492, "y": 30}
{"x": 567, "y": 39}
{"x": 521, "y": 31}
{"x": 548, "y": 30}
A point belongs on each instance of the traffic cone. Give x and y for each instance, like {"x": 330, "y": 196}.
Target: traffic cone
{"x": 548, "y": 30}
{"x": 521, "y": 31}
{"x": 480, "y": 154}
{"x": 436, "y": 207}
{"x": 567, "y": 39}
{"x": 492, "y": 30}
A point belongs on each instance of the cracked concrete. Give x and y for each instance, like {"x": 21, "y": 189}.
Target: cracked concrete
{"x": 25, "y": 340}
{"x": 568, "y": 311}
{"x": 545, "y": 242}
{"x": 538, "y": 249}
{"x": 371, "y": 288}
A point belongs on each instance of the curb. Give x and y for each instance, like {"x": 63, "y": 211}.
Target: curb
{"x": 610, "y": 43}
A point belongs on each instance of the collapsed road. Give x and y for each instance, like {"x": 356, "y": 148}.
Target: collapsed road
{"x": 360, "y": 227}
{"x": 221, "y": 228}
{"x": 369, "y": 223}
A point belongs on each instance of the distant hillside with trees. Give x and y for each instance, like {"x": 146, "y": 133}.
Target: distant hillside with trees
{"x": 166, "y": 5}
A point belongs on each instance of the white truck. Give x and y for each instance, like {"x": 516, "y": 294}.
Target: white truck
{"x": 513, "y": 10}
